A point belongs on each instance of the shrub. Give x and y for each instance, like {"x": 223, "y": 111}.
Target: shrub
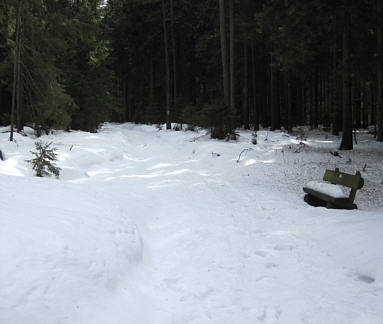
{"x": 177, "y": 127}
{"x": 254, "y": 138}
{"x": 190, "y": 117}
{"x": 43, "y": 163}
{"x": 220, "y": 119}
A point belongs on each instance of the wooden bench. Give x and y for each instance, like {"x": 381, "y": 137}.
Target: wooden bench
{"x": 329, "y": 195}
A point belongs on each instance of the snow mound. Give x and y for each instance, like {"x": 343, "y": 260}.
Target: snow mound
{"x": 228, "y": 237}
{"x": 57, "y": 243}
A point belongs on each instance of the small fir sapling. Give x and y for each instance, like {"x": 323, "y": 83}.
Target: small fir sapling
{"x": 254, "y": 138}
{"x": 190, "y": 116}
{"x": 221, "y": 121}
{"x": 177, "y": 127}
{"x": 45, "y": 157}
{"x": 301, "y": 137}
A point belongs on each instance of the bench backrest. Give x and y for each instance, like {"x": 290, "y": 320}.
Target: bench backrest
{"x": 353, "y": 181}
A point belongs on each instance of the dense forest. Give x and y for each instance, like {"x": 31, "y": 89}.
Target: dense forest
{"x": 221, "y": 64}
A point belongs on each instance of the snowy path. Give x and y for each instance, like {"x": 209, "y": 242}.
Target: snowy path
{"x": 220, "y": 250}
{"x": 223, "y": 242}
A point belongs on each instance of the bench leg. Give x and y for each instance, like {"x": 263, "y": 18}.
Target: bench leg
{"x": 331, "y": 206}
{"x": 314, "y": 201}
{"x": 345, "y": 206}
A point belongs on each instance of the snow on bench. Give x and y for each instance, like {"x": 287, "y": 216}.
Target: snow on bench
{"x": 329, "y": 189}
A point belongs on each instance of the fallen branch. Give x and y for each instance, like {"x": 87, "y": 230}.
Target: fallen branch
{"x": 243, "y": 151}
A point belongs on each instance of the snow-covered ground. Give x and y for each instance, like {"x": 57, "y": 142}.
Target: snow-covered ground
{"x": 163, "y": 227}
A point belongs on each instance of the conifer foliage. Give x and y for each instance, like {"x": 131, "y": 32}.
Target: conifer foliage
{"x": 219, "y": 118}
{"x": 275, "y": 63}
{"x": 44, "y": 161}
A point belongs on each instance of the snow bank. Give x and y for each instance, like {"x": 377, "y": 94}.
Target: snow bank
{"x": 225, "y": 241}
{"x": 60, "y": 245}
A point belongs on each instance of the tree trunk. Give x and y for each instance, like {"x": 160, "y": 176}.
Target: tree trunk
{"x": 175, "y": 108}
{"x": 16, "y": 66}
{"x": 289, "y": 106}
{"x": 225, "y": 71}
{"x": 1, "y": 100}
{"x": 167, "y": 67}
{"x": 255, "y": 107}
{"x": 245, "y": 89}
{"x": 372, "y": 104}
{"x": 346, "y": 143}
{"x": 316, "y": 99}
{"x": 20, "y": 83}
{"x": 380, "y": 65}
{"x": 364, "y": 99}
{"x": 303, "y": 96}
{"x": 337, "y": 101}
{"x": 232, "y": 60}
{"x": 274, "y": 99}
{"x": 151, "y": 89}
{"x": 358, "y": 105}
{"x": 126, "y": 103}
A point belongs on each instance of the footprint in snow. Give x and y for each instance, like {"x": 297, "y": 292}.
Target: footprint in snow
{"x": 245, "y": 255}
{"x": 270, "y": 314}
{"x": 261, "y": 253}
{"x": 270, "y": 265}
{"x": 261, "y": 278}
{"x": 282, "y": 247}
{"x": 365, "y": 278}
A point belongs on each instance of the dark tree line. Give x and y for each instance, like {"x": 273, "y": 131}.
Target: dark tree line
{"x": 215, "y": 63}
{"x": 55, "y": 66}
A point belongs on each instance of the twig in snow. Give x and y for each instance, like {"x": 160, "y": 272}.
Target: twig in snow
{"x": 196, "y": 138}
{"x": 243, "y": 151}
{"x": 336, "y": 154}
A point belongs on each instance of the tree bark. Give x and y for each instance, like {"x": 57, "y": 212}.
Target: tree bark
{"x": 289, "y": 106}
{"x": 336, "y": 93}
{"x": 174, "y": 52}
{"x": 347, "y": 142}
{"x": 245, "y": 89}
{"x": 225, "y": 71}
{"x": 16, "y": 66}
{"x": 303, "y": 96}
{"x": 151, "y": 87}
{"x": 19, "y": 87}
{"x": 125, "y": 98}
{"x": 274, "y": 99}
{"x": 379, "y": 137}
{"x": 232, "y": 60}
{"x": 364, "y": 99}
{"x": 167, "y": 67}
{"x": 255, "y": 107}
{"x": 315, "y": 101}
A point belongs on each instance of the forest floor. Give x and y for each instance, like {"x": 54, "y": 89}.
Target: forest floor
{"x": 149, "y": 226}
